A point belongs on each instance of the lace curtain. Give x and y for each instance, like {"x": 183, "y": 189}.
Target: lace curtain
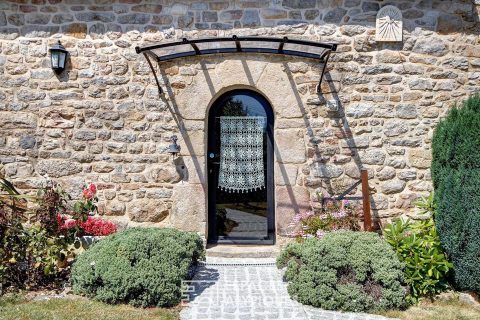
{"x": 241, "y": 154}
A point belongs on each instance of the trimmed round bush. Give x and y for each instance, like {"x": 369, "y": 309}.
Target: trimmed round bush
{"x": 456, "y": 180}
{"x": 140, "y": 266}
{"x": 345, "y": 270}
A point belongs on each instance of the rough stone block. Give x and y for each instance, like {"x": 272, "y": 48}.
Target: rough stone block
{"x": 406, "y": 111}
{"x": 250, "y": 19}
{"x": 147, "y": 8}
{"x": 165, "y": 174}
{"x": 27, "y": 142}
{"x": 85, "y": 135}
{"x": 290, "y": 146}
{"x": 115, "y": 208}
{"x": 335, "y": 15}
{"x": 17, "y": 120}
{"x": 58, "y": 168}
{"x": 37, "y": 18}
{"x": 189, "y": 210}
{"x": 272, "y": 13}
{"x": 148, "y": 210}
{"x": 393, "y": 186}
{"x": 95, "y": 16}
{"x": 388, "y": 56}
{"x": 373, "y": 156}
{"x": 419, "y": 158}
{"x": 103, "y": 167}
{"x": 162, "y": 19}
{"x": 326, "y": 170}
{"x": 360, "y": 110}
{"x": 431, "y": 46}
{"x": 387, "y": 173}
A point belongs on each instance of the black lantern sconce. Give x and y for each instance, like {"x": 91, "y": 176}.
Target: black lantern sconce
{"x": 58, "y": 56}
{"x": 174, "y": 148}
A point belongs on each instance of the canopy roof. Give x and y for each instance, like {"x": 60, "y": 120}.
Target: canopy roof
{"x": 264, "y": 45}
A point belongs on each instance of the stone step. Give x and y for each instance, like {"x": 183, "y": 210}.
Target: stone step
{"x": 238, "y": 262}
{"x": 242, "y": 251}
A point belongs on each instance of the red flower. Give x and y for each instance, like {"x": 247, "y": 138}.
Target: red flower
{"x": 93, "y": 188}
{"x": 98, "y": 227}
{"x": 87, "y": 194}
{"x": 65, "y": 223}
{"x": 60, "y": 219}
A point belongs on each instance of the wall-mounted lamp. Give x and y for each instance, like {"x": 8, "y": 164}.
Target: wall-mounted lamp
{"x": 58, "y": 56}
{"x": 174, "y": 148}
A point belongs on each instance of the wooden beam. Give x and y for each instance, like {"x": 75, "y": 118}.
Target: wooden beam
{"x": 367, "y": 216}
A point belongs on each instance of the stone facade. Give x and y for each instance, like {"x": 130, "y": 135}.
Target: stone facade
{"x": 103, "y": 120}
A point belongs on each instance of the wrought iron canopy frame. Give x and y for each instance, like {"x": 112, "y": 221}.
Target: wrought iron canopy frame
{"x": 322, "y": 57}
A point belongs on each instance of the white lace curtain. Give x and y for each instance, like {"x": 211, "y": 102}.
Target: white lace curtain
{"x": 241, "y": 154}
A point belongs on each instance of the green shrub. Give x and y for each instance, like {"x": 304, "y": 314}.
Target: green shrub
{"x": 140, "y": 266}
{"x": 418, "y": 247}
{"x": 345, "y": 270}
{"x": 456, "y": 179}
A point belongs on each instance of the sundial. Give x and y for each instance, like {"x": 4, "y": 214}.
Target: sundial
{"x": 389, "y": 24}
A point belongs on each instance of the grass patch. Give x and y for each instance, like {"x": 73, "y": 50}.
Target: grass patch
{"x": 438, "y": 310}
{"x": 76, "y": 308}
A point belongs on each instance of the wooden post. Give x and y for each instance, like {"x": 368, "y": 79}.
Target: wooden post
{"x": 367, "y": 217}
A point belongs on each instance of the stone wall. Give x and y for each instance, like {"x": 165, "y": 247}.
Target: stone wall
{"x": 102, "y": 120}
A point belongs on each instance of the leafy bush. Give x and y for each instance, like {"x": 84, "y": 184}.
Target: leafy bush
{"x": 37, "y": 241}
{"x": 12, "y": 244}
{"x": 456, "y": 179}
{"x": 140, "y": 266}
{"x": 33, "y": 252}
{"x": 418, "y": 246}
{"x": 345, "y": 270}
{"x": 427, "y": 205}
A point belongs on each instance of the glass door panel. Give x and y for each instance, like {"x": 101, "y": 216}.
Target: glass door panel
{"x": 240, "y": 174}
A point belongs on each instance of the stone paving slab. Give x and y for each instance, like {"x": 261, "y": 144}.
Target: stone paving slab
{"x": 229, "y": 288}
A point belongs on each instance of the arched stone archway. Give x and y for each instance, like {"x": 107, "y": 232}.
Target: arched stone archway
{"x": 192, "y": 98}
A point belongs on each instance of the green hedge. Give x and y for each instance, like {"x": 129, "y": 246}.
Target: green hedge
{"x": 456, "y": 179}
{"x": 140, "y": 266}
{"x": 346, "y": 270}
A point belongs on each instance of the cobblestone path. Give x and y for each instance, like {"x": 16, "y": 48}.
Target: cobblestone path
{"x": 232, "y": 288}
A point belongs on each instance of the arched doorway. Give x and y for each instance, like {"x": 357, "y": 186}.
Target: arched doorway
{"x": 240, "y": 169}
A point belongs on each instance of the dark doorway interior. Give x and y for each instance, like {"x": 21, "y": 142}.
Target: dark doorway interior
{"x": 244, "y": 216}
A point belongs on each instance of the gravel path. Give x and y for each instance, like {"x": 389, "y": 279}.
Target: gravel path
{"x": 232, "y": 288}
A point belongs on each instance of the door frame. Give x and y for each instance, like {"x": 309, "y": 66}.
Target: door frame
{"x": 212, "y": 237}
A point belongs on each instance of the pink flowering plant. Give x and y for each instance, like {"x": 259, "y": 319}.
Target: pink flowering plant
{"x": 81, "y": 221}
{"x": 87, "y": 206}
{"x": 91, "y": 227}
{"x": 333, "y": 215}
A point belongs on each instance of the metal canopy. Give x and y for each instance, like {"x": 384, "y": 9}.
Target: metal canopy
{"x": 265, "y": 45}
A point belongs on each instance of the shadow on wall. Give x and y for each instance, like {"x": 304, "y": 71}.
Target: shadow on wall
{"x": 168, "y": 97}
{"x": 347, "y": 136}
{"x": 321, "y": 156}
{"x": 76, "y": 19}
